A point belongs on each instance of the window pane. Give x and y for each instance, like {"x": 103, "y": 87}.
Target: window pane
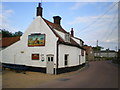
{"x": 51, "y": 59}
{"x": 66, "y": 57}
{"x": 67, "y": 37}
{"x": 65, "y": 62}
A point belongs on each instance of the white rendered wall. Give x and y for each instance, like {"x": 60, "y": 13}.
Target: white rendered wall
{"x": 73, "y": 58}
{"x": 13, "y": 53}
{"x": 77, "y": 40}
{"x": 112, "y": 54}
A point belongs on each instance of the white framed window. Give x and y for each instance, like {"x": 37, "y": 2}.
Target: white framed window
{"x": 66, "y": 59}
{"x": 67, "y": 37}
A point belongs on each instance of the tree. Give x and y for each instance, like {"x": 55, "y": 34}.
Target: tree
{"x": 6, "y": 33}
{"x": 97, "y": 48}
{"x": 19, "y": 33}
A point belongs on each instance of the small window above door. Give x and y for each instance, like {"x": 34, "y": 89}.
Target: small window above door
{"x": 50, "y": 58}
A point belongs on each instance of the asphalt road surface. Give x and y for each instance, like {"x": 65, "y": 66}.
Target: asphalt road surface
{"x": 99, "y": 74}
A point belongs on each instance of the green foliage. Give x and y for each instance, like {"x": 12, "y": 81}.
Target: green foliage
{"x": 97, "y": 48}
{"x": 6, "y": 33}
{"x": 117, "y": 60}
{"x": 19, "y": 33}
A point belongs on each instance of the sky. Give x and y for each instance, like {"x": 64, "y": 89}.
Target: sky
{"x": 91, "y": 21}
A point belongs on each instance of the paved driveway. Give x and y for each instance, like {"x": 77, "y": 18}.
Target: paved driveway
{"x": 99, "y": 74}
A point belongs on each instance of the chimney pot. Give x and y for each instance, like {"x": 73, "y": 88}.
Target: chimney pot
{"x": 57, "y": 19}
{"x": 72, "y": 32}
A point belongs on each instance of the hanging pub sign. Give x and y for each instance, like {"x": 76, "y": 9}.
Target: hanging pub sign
{"x": 36, "y": 40}
{"x": 35, "y": 56}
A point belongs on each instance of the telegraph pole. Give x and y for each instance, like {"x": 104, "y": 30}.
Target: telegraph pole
{"x": 97, "y": 43}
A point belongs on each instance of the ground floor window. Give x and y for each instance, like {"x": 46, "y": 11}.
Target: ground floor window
{"x": 66, "y": 59}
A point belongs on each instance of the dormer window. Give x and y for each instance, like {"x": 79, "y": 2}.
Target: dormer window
{"x": 67, "y": 37}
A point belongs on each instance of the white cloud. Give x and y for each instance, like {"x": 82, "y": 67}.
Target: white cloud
{"x": 77, "y": 5}
{"x": 5, "y": 20}
{"x": 91, "y": 19}
{"x": 105, "y": 30}
{"x": 109, "y": 13}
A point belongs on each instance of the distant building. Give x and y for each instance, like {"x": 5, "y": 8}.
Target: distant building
{"x": 105, "y": 53}
{"x": 89, "y": 53}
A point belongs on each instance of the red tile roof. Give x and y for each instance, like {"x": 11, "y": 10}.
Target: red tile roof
{"x": 87, "y": 48}
{"x": 59, "y": 28}
{"x": 7, "y": 41}
{"x": 55, "y": 26}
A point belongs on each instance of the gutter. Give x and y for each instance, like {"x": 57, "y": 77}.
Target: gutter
{"x": 65, "y": 43}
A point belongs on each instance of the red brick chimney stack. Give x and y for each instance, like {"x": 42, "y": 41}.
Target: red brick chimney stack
{"x": 57, "y": 19}
{"x": 39, "y": 10}
{"x": 72, "y": 32}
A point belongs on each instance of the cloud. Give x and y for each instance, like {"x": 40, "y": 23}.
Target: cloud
{"x": 109, "y": 12}
{"x": 91, "y": 19}
{"x": 112, "y": 40}
{"x": 83, "y": 19}
{"x": 78, "y": 5}
{"x": 102, "y": 27}
{"x": 5, "y": 20}
{"x": 105, "y": 30}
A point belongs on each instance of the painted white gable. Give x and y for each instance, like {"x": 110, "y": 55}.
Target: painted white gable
{"x": 20, "y": 53}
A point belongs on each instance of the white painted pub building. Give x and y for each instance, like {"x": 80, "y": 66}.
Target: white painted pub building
{"x": 46, "y": 46}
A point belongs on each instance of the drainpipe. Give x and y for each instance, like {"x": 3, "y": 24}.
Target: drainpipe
{"x": 55, "y": 69}
{"x": 57, "y": 58}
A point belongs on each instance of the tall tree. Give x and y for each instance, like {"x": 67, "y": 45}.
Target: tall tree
{"x": 97, "y": 48}
{"x": 19, "y": 33}
{"x": 6, "y": 33}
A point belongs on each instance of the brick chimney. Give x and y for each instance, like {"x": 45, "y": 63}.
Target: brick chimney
{"x": 39, "y": 10}
{"x": 72, "y": 32}
{"x": 57, "y": 19}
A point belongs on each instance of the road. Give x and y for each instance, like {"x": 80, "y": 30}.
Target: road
{"x": 99, "y": 74}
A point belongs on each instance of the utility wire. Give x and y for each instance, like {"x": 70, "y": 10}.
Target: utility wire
{"x": 109, "y": 26}
{"x": 96, "y": 21}
{"x": 98, "y": 18}
{"x": 107, "y": 37}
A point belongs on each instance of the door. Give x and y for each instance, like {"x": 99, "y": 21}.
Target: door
{"x": 50, "y": 64}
